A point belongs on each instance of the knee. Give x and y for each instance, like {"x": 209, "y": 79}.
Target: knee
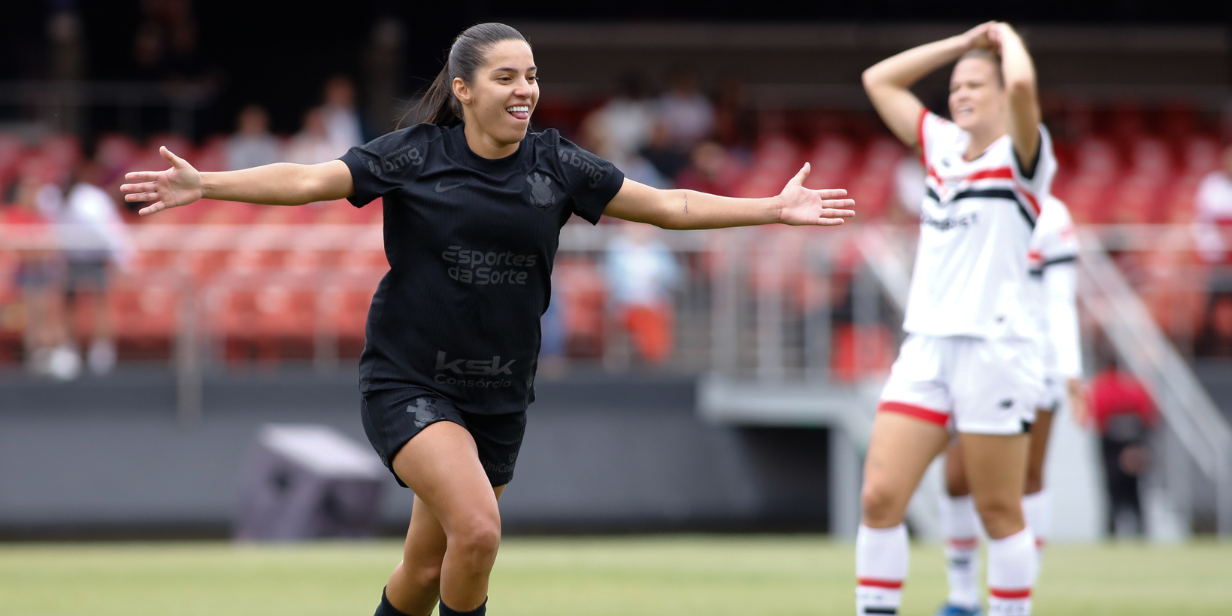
{"x": 420, "y": 575}
{"x": 881, "y": 506}
{"x": 1001, "y": 516}
{"x": 477, "y": 539}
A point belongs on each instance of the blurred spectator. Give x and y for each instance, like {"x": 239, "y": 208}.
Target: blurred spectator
{"x": 1216, "y": 337}
{"x": 627, "y": 118}
{"x": 641, "y": 273}
{"x": 252, "y": 145}
{"x": 685, "y": 113}
{"x": 382, "y": 62}
{"x": 39, "y": 273}
{"x": 707, "y": 171}
{"x": 1212, "y": 222}
{"x": 312, "y": 144}
{"x": 96, "y": 241}
{"x": 340, "y": 116}
{"x": 596, "y": 136}
{"x": 735, "y": 119}
{"x": 148, "y": 54}
{"x": 666, "y": 157}
{"x": 1123, "y": 414}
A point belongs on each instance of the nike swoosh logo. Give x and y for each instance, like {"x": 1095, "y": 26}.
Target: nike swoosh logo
{"x": 440, "y": 187}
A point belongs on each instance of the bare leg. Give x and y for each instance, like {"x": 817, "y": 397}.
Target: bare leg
{"x": 955, "y": 470}
{"x": 1040, "y": 431}
{"x": 996, "y": 465}
{"x": 455, "y": 527}
{"x": 899, "y": 452}
{"x": 416, "y": 581}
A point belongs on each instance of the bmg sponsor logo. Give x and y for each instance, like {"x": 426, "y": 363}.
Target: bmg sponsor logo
{"x": 462, "y": 372}
{"x": 482, "y": 267}
{"x": 588, "y": 165}
{"x": 401, "y": 157}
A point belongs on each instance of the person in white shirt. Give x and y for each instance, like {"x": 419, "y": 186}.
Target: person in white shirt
{"x": 971, "y": 360}
{"x": 312, "y": 145}
{"x": 686, "y": 113}
{"x": 252, "y": 145}
{"x": 1211, "y": 226}
{"x": 339, "y": 113}
{"x": 641, "y": 273}
{"x": 97, "y": 242}
{"x": 1054, "y": 306}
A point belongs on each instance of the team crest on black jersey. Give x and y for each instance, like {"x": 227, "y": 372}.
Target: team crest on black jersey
{"x": 541, "y": 193}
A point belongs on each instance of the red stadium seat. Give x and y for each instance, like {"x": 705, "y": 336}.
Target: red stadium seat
{"x": 178, "y": 145}
{"x": 830, "y": 160}
{"x": 344, "y": 314}
{"x": 1096, "y": 156}
{"x": 146, "y": 311}
{"x": 1087, "y": 197}
{"x": 883, "y": 154}
{"x": 584, "y": 299}
{"x": 62, "y": 151}
{"x": 1137, "y": 200}
{"x": 1200, "y": 154}
{"x": 1150, "y": 156}
{"x": 115, "y": 153}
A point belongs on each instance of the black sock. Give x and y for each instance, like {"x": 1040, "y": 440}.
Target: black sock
{"x": 386, "y": 608}
{"x": 482, "y": 610}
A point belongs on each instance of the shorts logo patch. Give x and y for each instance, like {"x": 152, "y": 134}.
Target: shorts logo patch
{"x": 425, "y": 411}
{"x": 541, "y": 191}
{"x": 1006, "y": 403}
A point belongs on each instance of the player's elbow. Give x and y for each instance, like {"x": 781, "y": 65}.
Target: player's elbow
{"x": 870, "y": 79}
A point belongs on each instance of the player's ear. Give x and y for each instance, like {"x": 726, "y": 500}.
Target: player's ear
{"x": 461, "y": 91}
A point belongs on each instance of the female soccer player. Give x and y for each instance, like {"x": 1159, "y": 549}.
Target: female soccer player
{"x": 473, "y": 209}
{"x": 971, "y": 358}
{"x": 1054, "y": 283}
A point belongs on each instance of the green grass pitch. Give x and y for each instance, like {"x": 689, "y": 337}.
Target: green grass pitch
{"x": 644, "y": 576}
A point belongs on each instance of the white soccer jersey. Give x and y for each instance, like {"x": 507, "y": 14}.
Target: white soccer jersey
{"x": 975, "y": 231}
{"x": 1054, "y": 284}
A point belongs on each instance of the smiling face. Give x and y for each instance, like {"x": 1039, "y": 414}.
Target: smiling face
{"x": 977, "y": 98}
{"x": 502, "y": 94}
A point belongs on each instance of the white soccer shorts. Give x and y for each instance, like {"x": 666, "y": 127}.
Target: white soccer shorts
{"x": 972, "y": 385}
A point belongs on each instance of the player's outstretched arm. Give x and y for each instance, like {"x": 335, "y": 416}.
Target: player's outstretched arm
{"x": 1020, "y": 84}
{"x": 888, "y": 82}
{"x": 689, "y": 209}
{"x": 276, "y": 184}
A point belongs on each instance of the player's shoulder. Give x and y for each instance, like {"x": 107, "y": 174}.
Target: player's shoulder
{"x": 547, "y": 139}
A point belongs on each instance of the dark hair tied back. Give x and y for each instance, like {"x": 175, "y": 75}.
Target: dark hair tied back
{"x": 469, "y": 52}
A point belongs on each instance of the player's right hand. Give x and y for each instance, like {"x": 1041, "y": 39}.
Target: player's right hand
{"x": 175, "y": 187}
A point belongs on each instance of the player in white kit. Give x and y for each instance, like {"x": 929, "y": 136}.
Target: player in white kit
{"x": 1053, "y": 289}
{"x": 971, "y": 360}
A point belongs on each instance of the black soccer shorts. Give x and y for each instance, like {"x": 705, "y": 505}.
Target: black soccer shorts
{"x": 393, "y": 417}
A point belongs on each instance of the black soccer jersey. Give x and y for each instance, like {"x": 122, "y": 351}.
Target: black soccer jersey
{"x": 470, "y": 243}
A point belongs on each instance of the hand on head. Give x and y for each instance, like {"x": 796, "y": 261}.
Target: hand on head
{"x": 174, "y": 187}
{"x": 988, "y": 35}
{"x": 803, "y": 206}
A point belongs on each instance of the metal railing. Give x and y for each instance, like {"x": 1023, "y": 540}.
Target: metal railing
{"x": 1142, "y": 347}
{"x": 766, "y": 305}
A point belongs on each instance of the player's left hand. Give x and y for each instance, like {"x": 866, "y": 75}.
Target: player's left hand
{"x": 803, "y": 206}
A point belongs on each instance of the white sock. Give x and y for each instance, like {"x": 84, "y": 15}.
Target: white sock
{"x": 1012, "y": 567}
{"x": 881, "y": 567}
{"x": 960, "y": 525}
{"x": 1038, "y": 510}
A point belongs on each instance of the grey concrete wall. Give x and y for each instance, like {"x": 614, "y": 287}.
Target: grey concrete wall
{"x": 601, "y": 454}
